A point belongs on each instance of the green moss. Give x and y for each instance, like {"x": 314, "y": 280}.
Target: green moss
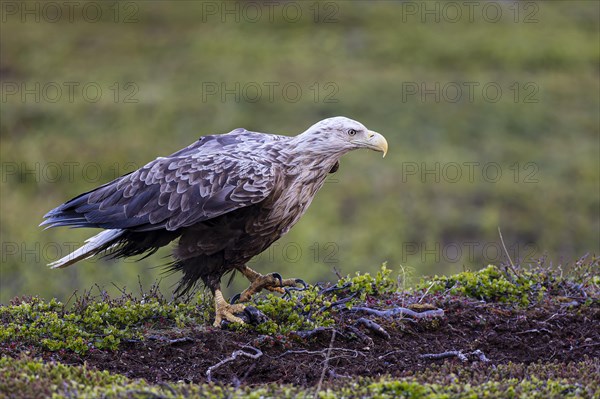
{"x": 309, "y": 309}
{"x": 91, "y": 323}
{"x": 492, "y": 284}
{"x": 32, "y": 378}
{"x": 489, "y": 284}
{"x": 365, "y": 284}
{"x": 103, "y": 323}
{"x": 303, "y": 312}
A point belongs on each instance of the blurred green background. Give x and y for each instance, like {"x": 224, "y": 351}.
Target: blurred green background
{"x": 491, "y": 112}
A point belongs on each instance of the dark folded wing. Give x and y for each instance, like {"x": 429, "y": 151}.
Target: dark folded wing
{"x": 212, "y": 177}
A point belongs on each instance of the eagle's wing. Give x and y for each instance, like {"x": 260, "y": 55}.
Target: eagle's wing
{"x": 213, "y": 176}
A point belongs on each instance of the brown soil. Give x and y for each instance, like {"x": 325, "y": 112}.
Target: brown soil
{"x": 548, "y": 332}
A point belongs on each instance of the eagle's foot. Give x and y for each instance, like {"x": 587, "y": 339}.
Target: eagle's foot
{"x": 271, "y": 282}
{"x": 226, "y": 311}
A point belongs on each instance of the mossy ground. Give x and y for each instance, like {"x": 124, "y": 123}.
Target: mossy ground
{"x": 539, "y": 332}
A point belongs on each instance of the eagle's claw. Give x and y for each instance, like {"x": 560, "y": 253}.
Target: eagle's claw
{"x": 304, "y": 284}
{"x": 234, "y": 298}
{"x": 272, "y": 282}
{"x": 288, "y": 290}
{"x": 278, "y": 277}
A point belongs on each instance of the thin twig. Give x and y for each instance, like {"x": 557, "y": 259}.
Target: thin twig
{"x": 170, "y": 341}
{"x": 459, "y": 354}
{"x": 103, "y": 293}
{"x": 403, "y": 282}
{"x": 326, "y": 362}
{"x": 123, "y": 290}
{"x": 231, "y": 358}
{"x": 337, "y": 273}
{"x": 322, "y": 352}
{"x": 426, "y": 292}
{"x": 512, "y": 265}
{"x": 338, "y": 303}
{"x": 304, "y": 334}
{"x": 299, "y": 352}
{"x": 334, "y": 288}
{"x": 141, "y": 287}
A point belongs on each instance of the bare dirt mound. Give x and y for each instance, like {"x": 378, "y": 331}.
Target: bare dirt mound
{"x": 501, "y": 335}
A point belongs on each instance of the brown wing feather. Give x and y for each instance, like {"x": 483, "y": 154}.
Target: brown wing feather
{"x": 214, "y": 176}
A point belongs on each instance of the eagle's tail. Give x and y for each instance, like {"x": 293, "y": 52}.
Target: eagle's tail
{"x": 93, "y": 246}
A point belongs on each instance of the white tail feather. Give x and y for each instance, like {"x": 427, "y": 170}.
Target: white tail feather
{"x": 89, "y": 249}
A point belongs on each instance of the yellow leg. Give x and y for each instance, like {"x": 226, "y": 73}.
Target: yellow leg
{"x": 225, "y": 311}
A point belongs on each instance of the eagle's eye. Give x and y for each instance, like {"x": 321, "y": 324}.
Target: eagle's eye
{"x": 351, "y": 132}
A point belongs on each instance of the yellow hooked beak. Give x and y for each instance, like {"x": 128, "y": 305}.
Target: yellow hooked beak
{"x": 376, "y": 142}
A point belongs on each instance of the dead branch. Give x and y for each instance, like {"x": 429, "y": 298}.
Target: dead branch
{"x": 299, "y": 352}
{"x": 371, "y": 325}
{"x": 337, "y": 303}
{"x": 334, "y": 288}
{"x": 398, "y": 311}
{"x": 170, "y": 341}
{"x": 322, "y": 352}
{"x": 309, "y": 333}
{"x": 480, "y": 355}
{"x": 459, "y": 354}
{"x": 231, "y": 358}
{"x": 444, "y": 355}
{"x": 362, "y": 336}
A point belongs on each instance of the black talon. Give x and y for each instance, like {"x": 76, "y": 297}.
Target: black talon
{"x": 234, "y": 299}
{"x": 288, "y": 290}
{"x": 304, "y": 285}
{"x": 278, "y": 277}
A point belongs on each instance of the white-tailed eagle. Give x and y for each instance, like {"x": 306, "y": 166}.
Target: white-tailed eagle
{"x": 226, "y": 198}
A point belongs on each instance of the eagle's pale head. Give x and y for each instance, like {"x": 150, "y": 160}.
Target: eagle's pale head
{"x": 343, "y": 134}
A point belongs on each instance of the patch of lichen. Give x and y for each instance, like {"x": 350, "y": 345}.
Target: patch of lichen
{"x": 32, "y": 378}
{"x": 100, "y": 323}
{"x": 519, "y": 286}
